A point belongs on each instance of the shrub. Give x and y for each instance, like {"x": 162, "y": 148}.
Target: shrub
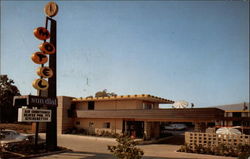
{"x": 104, "y": 133}
{"x": 185, "y": 148}
{"x": 241, "y": 151}
{"x": 221, "y": 149}
{"x": 126, "y": 148}
{"x": 70, "y": 130}
{"x": 244, "y": 155}
{"x": 25, "y": 147}
{"x": 115, "y": 135}
{"x": 208, "y": 150}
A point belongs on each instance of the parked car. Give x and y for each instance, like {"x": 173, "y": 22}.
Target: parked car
{"x": 8, "y": 136}
{"x": 175, "y": 127}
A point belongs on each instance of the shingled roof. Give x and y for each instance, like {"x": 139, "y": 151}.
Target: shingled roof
{"x": 234, "y": 107}
{"x": 144, "y": 97}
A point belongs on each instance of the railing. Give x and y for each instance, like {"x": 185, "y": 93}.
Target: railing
{"x": 212, "y": 139}
{"x": 185, "y": 115}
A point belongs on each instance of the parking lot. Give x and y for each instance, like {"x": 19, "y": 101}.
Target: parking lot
{"x": 87, "y": 147}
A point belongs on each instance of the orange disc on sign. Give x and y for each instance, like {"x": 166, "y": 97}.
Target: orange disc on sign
{"x": 39, "y": 58}
{"x": 47, "y": 48}
{"x": 40, "y": 84}
{"x": 44, "y": 72}
{"x": 41, "y": 33}
{"x": 51, "y": 9}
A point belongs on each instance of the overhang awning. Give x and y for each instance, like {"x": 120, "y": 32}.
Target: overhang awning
{"x": 180, "y": 115}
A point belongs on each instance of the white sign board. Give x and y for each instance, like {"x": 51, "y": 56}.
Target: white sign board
{"x": 34, "y": 115}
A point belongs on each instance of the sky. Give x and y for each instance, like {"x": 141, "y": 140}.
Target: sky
{"x": 178, "y": 50}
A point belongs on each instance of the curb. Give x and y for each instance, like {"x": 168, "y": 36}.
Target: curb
{"x": 44, "y": 154}
{"x": 89, "y": 137}
{"x": 153, "y": 141}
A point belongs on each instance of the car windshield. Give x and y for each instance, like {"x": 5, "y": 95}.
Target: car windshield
{"x": 5, "y": 134}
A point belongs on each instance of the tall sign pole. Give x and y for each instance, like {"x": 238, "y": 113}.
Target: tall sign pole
{"x": 46, "y": 89}
{"x": 51, "y": 128}
{"x": 51, "y": 10}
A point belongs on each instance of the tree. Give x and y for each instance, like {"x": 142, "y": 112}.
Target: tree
{"x": 8, "y": 90}
{"x": 126, "y": 149}
{"x": 104, "y": 93}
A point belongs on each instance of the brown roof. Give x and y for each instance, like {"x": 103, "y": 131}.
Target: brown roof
{"x": 145, "y": 97}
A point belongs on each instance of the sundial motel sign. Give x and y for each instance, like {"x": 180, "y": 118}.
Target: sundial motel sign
{"x": 46, "y": 48}
{"x": 45, "y": 84}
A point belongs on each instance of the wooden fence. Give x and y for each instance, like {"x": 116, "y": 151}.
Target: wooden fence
{"x": 212, "y": 139}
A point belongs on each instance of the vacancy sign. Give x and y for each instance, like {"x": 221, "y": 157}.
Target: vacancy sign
{"x": 34, "y": 115}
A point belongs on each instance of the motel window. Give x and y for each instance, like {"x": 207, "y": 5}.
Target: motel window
{"x": 73, "y": 106}
{"x": 91, "y": 105}
{"x": 210, "y": 124}
{"x": 246, "y": 123}
{"x": 237, "y": 114}
{"x": 236, "y": 123}
{"x": 71, "y": 111}
{"x": 147, "y": 105}
{"x": 91, "y": 124}
{"x": 106, "y": 125}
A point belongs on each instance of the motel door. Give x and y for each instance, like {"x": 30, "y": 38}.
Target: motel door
{"x": 135, "y": 128}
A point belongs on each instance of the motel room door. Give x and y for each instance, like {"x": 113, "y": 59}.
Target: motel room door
{"x": 135, "y": 128}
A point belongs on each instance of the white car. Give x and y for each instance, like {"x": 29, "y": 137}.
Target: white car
{"x": 8, "y": 136}
{"x": 175, "y": 127}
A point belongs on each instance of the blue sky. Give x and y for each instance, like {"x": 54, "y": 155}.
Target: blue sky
{"x": 193, "y": 51}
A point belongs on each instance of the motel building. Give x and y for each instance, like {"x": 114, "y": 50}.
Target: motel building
{"x": 135, "y": 115}
{"x": 237, "y": 115}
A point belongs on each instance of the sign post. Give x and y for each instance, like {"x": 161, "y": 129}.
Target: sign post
{"x": 51, "y": 9}
{"x": 51, "y": 128}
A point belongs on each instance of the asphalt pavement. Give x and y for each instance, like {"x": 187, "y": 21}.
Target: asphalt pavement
{"x": 88, "y": 147}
